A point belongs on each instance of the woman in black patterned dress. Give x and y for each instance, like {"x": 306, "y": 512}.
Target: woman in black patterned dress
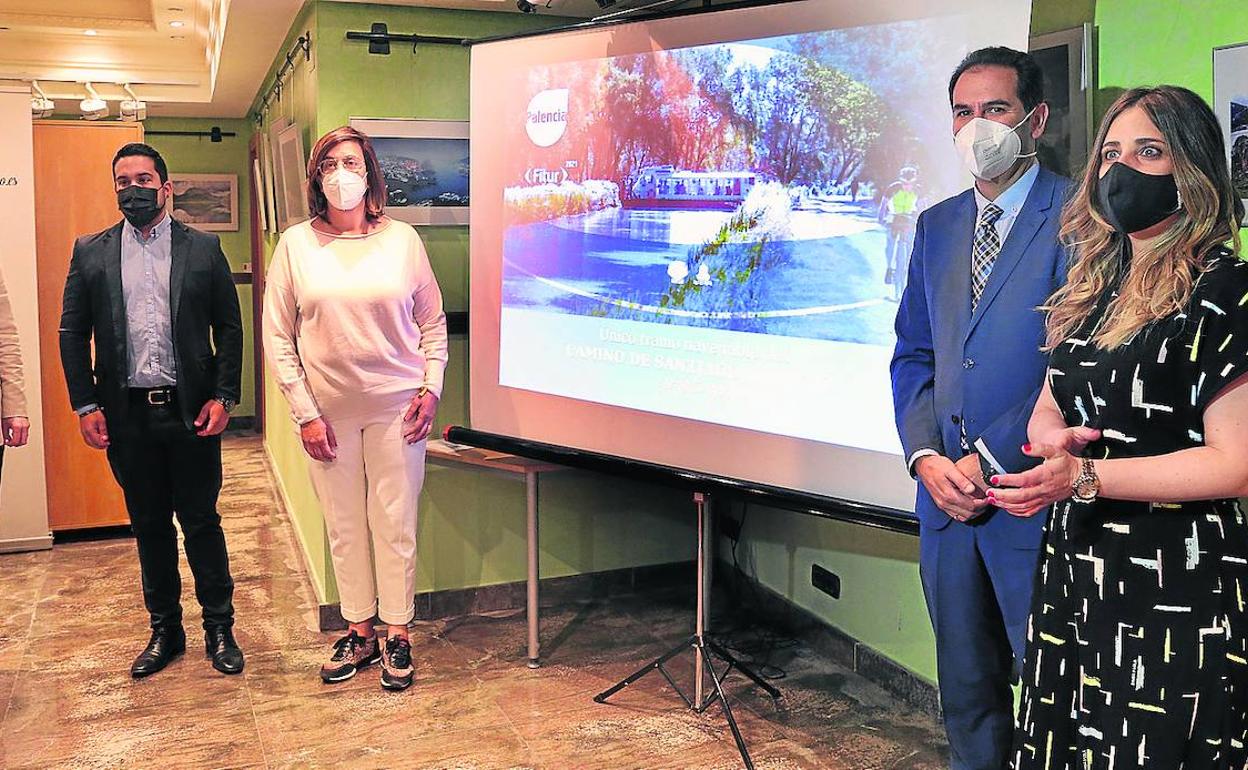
{"x": 1137, "y": 650}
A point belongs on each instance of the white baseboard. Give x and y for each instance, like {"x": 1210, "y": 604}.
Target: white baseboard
{"x": 19, "y": 544}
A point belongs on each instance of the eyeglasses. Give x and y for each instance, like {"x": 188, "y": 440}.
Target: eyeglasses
{"x": 350, "y": 163}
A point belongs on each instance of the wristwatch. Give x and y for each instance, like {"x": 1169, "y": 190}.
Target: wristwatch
{"x": 1087, "y": 484}
{"x": 227, "y": 404}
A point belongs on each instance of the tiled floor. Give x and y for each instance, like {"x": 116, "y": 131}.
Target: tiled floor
{"x": 71, "y": 620}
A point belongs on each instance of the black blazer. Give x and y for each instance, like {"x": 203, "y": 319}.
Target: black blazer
{"x": 202, "y": 299}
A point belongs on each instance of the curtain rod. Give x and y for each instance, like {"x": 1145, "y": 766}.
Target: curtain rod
{"x": 215, "y": 133}
{"x": 379, "y": 39}
{"x": 304, "y": 45}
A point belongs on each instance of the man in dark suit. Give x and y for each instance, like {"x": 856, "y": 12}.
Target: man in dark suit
{"x": 966, "y": 374}
{"x": 149, "y": 292}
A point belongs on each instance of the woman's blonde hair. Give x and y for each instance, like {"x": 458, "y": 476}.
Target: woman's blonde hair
{"x": 1157, "y": 283}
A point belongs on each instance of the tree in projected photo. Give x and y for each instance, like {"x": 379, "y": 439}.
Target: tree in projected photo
{"x": 794, "y": 120}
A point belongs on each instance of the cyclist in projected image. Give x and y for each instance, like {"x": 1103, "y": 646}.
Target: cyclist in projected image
{"x": 966, "y": 371}
{"x": 898, "y": 209}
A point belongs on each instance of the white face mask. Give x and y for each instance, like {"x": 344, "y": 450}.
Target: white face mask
{"x": 344, "y": 189}
{"x": 989, "y": 148}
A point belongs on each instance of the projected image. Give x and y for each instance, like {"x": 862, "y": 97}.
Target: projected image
{"x": 768, "y": 187}
{"x": 718, "y": 232}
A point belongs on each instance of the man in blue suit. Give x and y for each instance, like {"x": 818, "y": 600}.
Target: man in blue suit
{"x": 966, "y": 373}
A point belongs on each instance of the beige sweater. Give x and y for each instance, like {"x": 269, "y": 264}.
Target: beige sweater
{"x": 12, "y": 382}
{"x": 352, "y": 322}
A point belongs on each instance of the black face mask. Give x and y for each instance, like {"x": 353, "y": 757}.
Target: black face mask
{"x": 139, "y": 205}
{"x": 1133, "y": 201}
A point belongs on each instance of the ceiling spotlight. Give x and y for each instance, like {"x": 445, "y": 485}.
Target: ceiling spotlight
{"x": 525, "y": 6}
{"x": 177, "y": 24}
{"x": 134, "y": 108}
{"x": 90, "y": 32}
{"x": 40, "y": 105}
{"x": 93, "y": 107}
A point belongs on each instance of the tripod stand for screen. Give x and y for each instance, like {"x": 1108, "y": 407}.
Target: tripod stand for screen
{"x": 704, "y": 650}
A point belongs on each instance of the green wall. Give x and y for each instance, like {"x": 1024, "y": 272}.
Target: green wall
{"x": 1155, "y": 42}
{"x": 472, "y": 528}
{"x": 199, "y": 155}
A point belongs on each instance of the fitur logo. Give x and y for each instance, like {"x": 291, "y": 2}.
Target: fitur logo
{"x": 547, "y": 117}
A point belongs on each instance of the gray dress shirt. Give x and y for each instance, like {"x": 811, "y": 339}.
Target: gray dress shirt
{"x": 145, "y": 268}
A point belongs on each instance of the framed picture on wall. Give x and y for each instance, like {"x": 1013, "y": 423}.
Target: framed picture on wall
{"x": 1230, "y": 102}
{"x": 1066, "y": 59}
{"x": 257, "y": 191}
{"x": 206, "y": 201}
{"x": 269, "y": 174}
{"x": 425, "y": 163}
{"x": 276, "y": 126}
{"x": 292, "y": 176}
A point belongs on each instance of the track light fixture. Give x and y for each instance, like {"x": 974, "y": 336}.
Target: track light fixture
{"x": 40, "y": 105}
{"x": 134, "y": 108}
{"x": 93, "y": 107}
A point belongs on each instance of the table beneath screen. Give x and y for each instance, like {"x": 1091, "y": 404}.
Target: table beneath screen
{"x": 446, "y": 454}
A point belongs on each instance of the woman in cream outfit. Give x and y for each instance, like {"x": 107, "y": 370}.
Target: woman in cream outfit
{"x": 14, "y": 426}
{"x": 355, "y": 333}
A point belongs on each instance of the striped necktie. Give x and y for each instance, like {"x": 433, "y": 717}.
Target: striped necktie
{"x": 984, "y": 253}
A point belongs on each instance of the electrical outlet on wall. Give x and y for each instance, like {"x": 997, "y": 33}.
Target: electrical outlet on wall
{"x": 825, "y": 581}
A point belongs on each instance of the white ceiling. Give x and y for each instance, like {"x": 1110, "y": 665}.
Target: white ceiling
{"x": 210, "y": 64}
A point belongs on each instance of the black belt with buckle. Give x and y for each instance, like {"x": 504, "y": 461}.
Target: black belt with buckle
{"x": 155, "y": 396}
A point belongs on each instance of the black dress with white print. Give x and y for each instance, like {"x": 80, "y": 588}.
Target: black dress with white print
{"x": 1137, "y": 651}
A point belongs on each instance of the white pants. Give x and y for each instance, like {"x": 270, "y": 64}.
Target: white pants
{"x": 369, "y": 495}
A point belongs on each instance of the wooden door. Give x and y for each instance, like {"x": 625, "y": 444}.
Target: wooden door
{"x": 73, "y": 196}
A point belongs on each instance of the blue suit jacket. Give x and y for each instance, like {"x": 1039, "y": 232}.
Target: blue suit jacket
{"x": 982, "y": 371}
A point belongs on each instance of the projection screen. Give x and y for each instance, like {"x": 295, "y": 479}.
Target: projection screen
{"x": 689, "y": 235}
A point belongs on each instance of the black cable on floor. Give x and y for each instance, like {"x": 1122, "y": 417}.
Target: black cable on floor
{"x": 751, "y": 629}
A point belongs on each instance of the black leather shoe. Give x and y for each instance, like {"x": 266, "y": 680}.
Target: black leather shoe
{"x": 219, "y": 645}
{"x": 166, "y": 644}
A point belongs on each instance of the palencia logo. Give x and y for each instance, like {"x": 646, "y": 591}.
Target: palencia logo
{"x": 547, "y": 118}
